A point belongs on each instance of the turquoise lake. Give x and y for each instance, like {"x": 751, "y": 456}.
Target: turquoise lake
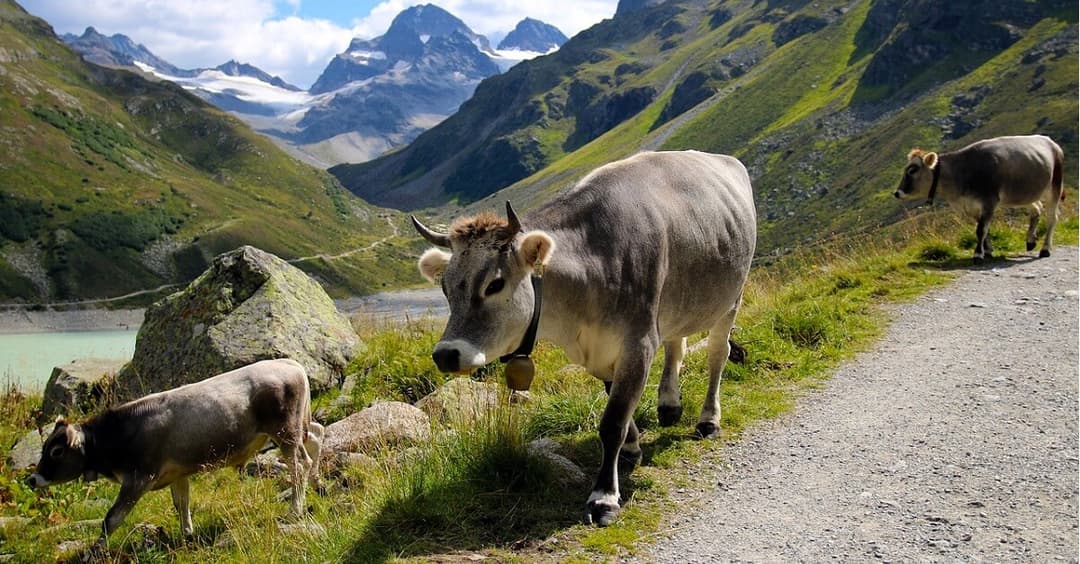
{"x": 28, "y": 358}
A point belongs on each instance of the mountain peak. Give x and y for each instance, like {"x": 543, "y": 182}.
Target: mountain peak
{"x": 533, "y": 35}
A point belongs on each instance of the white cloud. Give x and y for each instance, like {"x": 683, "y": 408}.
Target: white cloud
{"x": 206, "y": 33}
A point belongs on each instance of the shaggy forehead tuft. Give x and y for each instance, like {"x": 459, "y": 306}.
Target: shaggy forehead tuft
{"x": 916, "y": 152}
{"x": 484, "y": 225}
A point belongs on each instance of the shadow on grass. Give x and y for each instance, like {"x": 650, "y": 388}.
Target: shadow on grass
{"x": 458, "y": 516}
{"x": 960, "y": 263}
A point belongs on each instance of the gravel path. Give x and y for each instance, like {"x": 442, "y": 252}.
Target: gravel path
{"x": 955, "y": 439}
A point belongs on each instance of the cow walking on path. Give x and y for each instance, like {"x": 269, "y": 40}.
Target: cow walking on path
{"x": 641, "y": 252}
{"x": 1003, "y": 171}
{"x": 161, "y": 439}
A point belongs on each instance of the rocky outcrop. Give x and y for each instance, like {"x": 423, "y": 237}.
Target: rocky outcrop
{"x": 78, "y": 386}
{"x": 384, "y": 423}
{"x": 789, "y": 30}
{"x": 905, "y": 34}
{"x": 693, "y": 90}
{"x": 248, "y": 306}
{"x": 460, "y": 400}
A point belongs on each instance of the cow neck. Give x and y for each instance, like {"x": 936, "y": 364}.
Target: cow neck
{"x": 936, "y": 176}
{"x": 529, "y": 340}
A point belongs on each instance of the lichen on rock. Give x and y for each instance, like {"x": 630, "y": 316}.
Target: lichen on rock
{"x": 249, "y": 305}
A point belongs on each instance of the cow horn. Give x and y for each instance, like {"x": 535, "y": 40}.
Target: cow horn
{"x": 433, "y": 237}
{"x": 512, "y": 219}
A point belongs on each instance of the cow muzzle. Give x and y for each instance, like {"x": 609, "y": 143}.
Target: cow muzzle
{"x": 36, "y": 481}
{"x": 457, "y": 356}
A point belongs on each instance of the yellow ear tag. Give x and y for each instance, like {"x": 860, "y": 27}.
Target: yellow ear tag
{"x": 519, "y": 373}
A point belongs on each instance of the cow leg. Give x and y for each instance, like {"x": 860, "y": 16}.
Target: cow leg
{"x": 630, "y": 453}
{"x": 631, "y": 371}
{"x": 296, "y": 458}
{"x": 313, "y": 448}
{"x": 1033, "y": 222}
{"x": 1050, "y": 217}
{"x": 669, "y": 407}
{"x": 981, "y": 230}
{"x": 181, "y": 498}
{"x": 131, "y": 490}
{"x": 719, "y": 348}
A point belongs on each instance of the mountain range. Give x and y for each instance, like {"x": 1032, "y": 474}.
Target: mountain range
{"x": 112, "y": 183}
{"x": 822, "y": 100}
{"x": 375, "y": 95}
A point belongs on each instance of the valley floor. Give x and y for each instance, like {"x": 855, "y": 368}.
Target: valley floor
{"x": 954, "y": 439}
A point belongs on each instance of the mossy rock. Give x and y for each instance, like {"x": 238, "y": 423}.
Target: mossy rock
{"x": 248, "y": 306}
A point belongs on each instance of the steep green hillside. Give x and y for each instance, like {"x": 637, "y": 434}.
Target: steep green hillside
{"x": 111, "y": 184}
{"x": 821, "y": 100}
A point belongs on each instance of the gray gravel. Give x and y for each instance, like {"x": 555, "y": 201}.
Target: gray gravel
{"x": 953, "y": 440}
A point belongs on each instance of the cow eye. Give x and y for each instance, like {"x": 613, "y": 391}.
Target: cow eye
{"x": 56, "y": 452}
{"x": 911, "y": 170}
{"x": 495, "y": 287}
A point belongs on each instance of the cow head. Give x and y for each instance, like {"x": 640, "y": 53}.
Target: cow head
{"x": 63, "y": 456}
{"x": 485, "y": 276}
{"x": 918, "y": 175}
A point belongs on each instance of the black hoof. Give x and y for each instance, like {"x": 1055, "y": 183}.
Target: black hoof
{"x": 1031, "y": 246}
{"x": 978, "y": 260}
{"x": 707, "y": 430}
{"x": 600, "y": 514}
{"x": 668, "y": 415}
{"x": 629, "y": 459}
{"x": 1044, "y": 253}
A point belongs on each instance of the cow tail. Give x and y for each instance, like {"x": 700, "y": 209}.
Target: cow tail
{"x": 1056, "y": 179}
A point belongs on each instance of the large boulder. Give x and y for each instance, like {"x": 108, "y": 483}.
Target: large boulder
{"x": 384, "y": 423}
{"x": 78, "y": 386}
{"x": 27, "y": 449}
{"x": 248, "y": 306}
{"x": 460, "y": 400}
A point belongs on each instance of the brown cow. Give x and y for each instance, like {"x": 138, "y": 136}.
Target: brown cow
{"x": 1004, "y": 171}
{"x": 161, "y": 439}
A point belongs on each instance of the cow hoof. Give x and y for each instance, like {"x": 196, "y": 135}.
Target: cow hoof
{"x": 668, "y": 415}
{"x": 977, "y": 260}
{"x": 629, "y": 459}
{"x": 1044, "y": 253}
{"x": 600, "y": 513}
{"x": 1031, "y": 246}
{"x": 707, "y": 430}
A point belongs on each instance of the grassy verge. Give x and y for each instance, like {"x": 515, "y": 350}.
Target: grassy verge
{"x": 476, "y": 489}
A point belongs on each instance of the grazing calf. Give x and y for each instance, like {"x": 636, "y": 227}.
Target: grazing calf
{"x": 1004, "y": 171}
{"x": 161, "y": 439}
{"x": 642, "y": 252}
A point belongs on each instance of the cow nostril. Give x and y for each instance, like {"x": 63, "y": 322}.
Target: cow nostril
{"x": 448, "y": 359}
{"x": 896, "y": 194}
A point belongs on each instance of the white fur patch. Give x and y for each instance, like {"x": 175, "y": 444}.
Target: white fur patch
{"x": 432, "y": 263}
{"x": 611, "y": 499}
{"x": 469, "y": 356}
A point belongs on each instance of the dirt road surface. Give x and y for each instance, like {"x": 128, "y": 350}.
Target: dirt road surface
{"x": 953, "y": 439}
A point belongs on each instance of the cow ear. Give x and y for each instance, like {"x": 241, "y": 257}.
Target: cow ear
{"x": 536, "y": 248}
{"x": 930, "y": 160}
{"x": 75, "y": 437}
{"x": 432, "y": 263}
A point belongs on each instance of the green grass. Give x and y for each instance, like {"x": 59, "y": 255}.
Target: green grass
{"x": 475, "y": 488}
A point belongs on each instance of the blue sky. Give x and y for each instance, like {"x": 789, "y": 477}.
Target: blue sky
{"x": 294, "y": 39}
